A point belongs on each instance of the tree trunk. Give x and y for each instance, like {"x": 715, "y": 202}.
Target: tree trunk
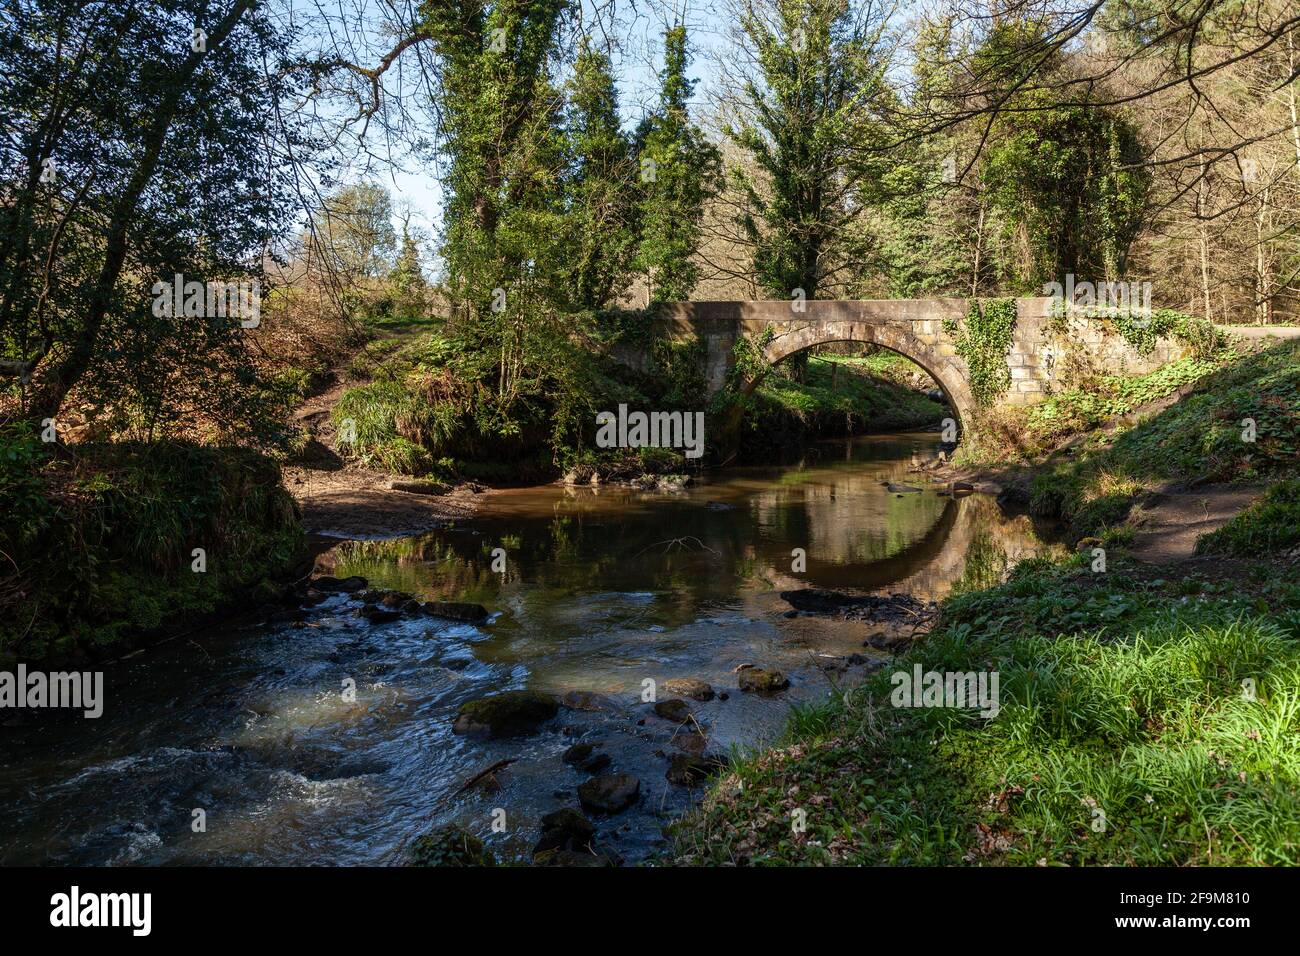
{"x": 48, "y": 399}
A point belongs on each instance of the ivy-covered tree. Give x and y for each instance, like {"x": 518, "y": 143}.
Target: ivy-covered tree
{"x": 502, "y": 145}
{"x": 602, "y": 186}
{"x": 1068, "y": 181}
{"x": 807, "y": 119}
{"x": 1070, "y": 184}
{"x": 679, "y": 172}
{"x": 505, "y": 243}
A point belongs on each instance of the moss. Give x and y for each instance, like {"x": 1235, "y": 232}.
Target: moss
{"x": 450, "y": 846}
{"x": 511, "y": 713}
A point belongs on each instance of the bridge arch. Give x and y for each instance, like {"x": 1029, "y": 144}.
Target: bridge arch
{"x": 899, "y": 338}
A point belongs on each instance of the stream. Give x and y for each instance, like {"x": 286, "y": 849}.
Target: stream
{"x": 602, "y": 589}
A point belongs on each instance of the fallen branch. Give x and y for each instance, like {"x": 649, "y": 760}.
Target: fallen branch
{"x": 485, "y": 773}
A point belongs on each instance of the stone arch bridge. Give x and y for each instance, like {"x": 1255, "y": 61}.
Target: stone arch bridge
{"x": 911, "y": 327}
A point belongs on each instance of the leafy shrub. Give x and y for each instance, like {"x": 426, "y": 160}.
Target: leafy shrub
{"x": 100, "y": 547}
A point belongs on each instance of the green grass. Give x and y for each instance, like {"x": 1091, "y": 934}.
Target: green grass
{"x": 1270, "y": 525}
{"x": 402, "y": 323}
{"x": 1201, "y": 437}
{"x": 1143, "y": 722}
{"x": 394, "y": 427}
{"x": 1078, "y": 410}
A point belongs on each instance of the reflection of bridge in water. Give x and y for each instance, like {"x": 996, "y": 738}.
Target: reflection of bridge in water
{"x": 927, "y": 566}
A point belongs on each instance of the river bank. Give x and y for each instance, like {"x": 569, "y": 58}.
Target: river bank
{"x": 1146, "y": 718}
{"x": 1147, "y": 705}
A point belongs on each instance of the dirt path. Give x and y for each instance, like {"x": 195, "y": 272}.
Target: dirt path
{"x": 1169, "y": 526}
{"x": 345, "y": 500}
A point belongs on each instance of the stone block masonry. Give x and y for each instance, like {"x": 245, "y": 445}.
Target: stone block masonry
{"x": 911, "y": 327}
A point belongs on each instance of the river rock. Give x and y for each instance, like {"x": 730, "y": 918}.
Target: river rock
{"x": 348, "y": 585}
{"x": 897, "y": 489}
{"x": 378, "y": 615}
{"x": 418, "y": 487}
{"x": 675, "y": 710}
{"x": 755, "y": 680}
{"x": 585, "y": 758}
{"x": 686, "y": 770}
{"x": 514, "y": 713}
{"x": 611, "y": 793}
{"x": 885, "y": 641}
{"x": 587, "y": 700}
{"x": 450, "y": 846}
{"x": 690, "y": 742}
{"x": 565, "y": 829}
{"x": 396, "y": 599}
{"x": 456, "y": 611}
{"x": 311, "y": 597}
{"x": 688, "y": 687}
{"x": 582, "y": 475}
{"x": 957, "y": 489}
{"x": 864, "y": 607}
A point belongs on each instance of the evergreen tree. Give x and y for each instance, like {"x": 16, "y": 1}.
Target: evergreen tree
{"x": 602, "y": 186}
{"x": 807, "y": 121}
{"x": 679, "y": 172}
{"x": 407, "y": 278}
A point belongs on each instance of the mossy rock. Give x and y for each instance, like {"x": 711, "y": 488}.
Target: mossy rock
{"x": 687, "y": 770}
{"x": 611, "y": 793}
{"x": 675, "y": 710}
{"x": 510, "y": 714}
{"x": 755, "y": 680}
{"x": 690, "y": 687}
{"x": 450, "y": 846}
{"x": 565, "y": 829}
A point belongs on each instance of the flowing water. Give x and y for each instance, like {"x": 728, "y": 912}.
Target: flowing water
{"x": 602, "y": 590}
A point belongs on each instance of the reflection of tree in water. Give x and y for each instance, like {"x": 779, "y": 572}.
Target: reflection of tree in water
{"x": 677, "y": 554}
{"x": 428, "y": 565}
{"x": 986, "y": 564}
